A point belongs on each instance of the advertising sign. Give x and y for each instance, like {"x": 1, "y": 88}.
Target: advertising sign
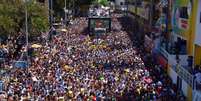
{"x": 181, "y": 13}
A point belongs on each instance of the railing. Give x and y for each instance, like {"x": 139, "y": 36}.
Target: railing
{"x": 184, "y": 74}
{"x": 180, "y": 69}
{"x": 172, "y": 57}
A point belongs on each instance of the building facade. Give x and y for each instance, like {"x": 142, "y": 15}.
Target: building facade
{"x": 175, "y": 30}
{"x": 182, "y": 47}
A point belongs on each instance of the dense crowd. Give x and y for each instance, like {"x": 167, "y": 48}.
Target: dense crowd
{"x": 76, "y": 67}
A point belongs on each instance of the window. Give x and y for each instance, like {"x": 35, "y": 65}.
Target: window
{"x": 183, "y": 12}
{"x": 121, "y": 3}
{"x": 41, "y": 1}
{"x": 139, "y": 3}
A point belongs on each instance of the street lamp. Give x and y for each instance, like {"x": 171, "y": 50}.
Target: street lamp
{"x": 26, "y": 28}
{"x": 65, "y": 10}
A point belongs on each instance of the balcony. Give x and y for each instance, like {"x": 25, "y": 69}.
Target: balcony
{"x": 182, "y": 69}
{"x": 169, "y": 51}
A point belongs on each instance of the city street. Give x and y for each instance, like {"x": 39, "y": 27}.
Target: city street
{"x": 100, "y": 50}
{"x": 76, "y": 66}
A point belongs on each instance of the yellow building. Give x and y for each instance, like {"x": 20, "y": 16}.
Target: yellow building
{"x": 184, "y": 41}
{"x": 197, "y": 30}
{"x": 186, "y": 23}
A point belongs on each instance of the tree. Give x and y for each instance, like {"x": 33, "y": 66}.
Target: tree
{"x": 71, "y": 4}
{"x": 38, "y": 18}
{"x": 103, "y": 2}
{"x": 12, "y": 17}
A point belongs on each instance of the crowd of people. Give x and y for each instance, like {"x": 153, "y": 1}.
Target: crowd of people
{"x": 76, "y": 67}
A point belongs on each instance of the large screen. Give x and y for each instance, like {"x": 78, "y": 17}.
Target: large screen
{"x": 99, "y": 23}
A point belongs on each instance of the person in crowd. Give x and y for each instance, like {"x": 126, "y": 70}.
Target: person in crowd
{"x": 74, "y": 66}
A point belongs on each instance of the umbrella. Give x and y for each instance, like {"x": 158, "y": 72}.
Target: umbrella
{"x": 63, "y": 30}
{"x": 66, "y": 67}
{"x": 70, "y": 93}
{"x": 36, "y": 46}
{"x": 127, "y": 70}
{"x": 82, "y": 89}
{"x": 148, "y": 80}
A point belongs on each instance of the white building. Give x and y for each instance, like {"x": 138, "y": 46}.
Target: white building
{"x": 119, "y": 2}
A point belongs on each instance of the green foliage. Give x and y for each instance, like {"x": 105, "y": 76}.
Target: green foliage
{"x": 12, "y": 16}
{"x": 71, "y": 4}
{"x": 103, "y": 2}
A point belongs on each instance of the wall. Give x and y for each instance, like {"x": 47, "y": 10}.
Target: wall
{"x": 117, "y": 2}
{"x": 172, "y": 74}
{"x": 197, "y": 55}
{"x": 198, "y": 25}
{"x": 183, "y": 26}
{"x": 185, "y": 88}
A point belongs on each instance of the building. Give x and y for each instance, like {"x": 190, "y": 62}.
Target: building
{"x": 197, "y": 31}
{"x": 196, "y": 48}
{"x": 145, "y": 17}
{"x": 182, "y": 46}
{"x": 176, "y": 35}
{"x": 119, "y": 2}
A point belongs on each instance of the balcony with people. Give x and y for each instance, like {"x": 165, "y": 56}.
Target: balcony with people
{"x": 175, "y": 50}
{"x": 176, "y": 53}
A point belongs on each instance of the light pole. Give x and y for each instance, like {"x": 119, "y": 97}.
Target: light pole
{"x": 26, "y": 28}
{"x": 50, "y": 8}
{"x": 65, "y": 12}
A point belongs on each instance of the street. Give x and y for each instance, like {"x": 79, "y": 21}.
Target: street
{"x": 76, "y": 66}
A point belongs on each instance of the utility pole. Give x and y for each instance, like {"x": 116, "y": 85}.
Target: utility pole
{"x": 73, "y": 8}
{"x": 52, "y": 12}
{"x": 26, "y": 29}
{"x": 65, "y": 11}
{"x": 50, "y": 8}
{"x": 151, "y": 15}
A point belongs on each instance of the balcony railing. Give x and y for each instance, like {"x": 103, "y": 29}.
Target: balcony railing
{"x": 183, "y": 73}
{"x": 180, "y": 68}
{"x": 169, "y": 53}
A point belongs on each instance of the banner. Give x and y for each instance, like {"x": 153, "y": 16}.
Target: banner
{"x": 181, "y": 13}
{"x": 21, "y": 64}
